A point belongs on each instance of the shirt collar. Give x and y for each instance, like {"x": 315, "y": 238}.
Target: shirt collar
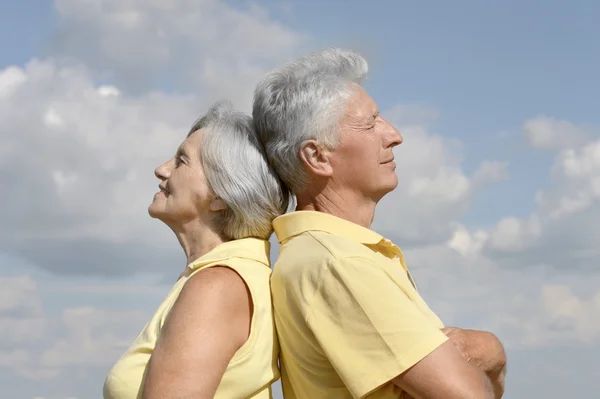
{"x": 295, "y": 223}
{"x": 246, "y": 248}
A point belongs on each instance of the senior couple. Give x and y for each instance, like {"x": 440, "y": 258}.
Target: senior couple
{"x": 340, "y": 310}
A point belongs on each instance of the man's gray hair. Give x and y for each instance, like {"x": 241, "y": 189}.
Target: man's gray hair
{"x": 237, "y": 172}
{"x": 302, "y": 100}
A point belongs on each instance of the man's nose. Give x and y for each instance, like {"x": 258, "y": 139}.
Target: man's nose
{"x": 393, "y": 136}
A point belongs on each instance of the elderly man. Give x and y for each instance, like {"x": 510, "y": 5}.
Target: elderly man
{"x": 350, "y": 321}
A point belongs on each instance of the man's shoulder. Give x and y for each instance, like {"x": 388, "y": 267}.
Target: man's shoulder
{"x": 305, "y": 259}
{"x": 311, "y": 251}
{"x": 325, "y": 244}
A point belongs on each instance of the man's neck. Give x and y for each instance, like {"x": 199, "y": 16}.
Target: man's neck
{"x": 355, "y": 209}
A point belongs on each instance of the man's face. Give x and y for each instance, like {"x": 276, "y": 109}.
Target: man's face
{"x": 363, "y": 161}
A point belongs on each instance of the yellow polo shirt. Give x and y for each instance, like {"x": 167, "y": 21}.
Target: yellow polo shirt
{"x": 253, "y": 368}
{"x": 347, "y": 313}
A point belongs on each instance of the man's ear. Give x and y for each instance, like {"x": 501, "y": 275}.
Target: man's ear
{"x": 316, "y": 158}
{"x": 217, "y": 204}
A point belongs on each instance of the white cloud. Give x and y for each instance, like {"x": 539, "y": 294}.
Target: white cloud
{"x": 467, "y": 289}
{"x": 13, "y": 357}
{"x": 551, "y": 315}
{"x": 465, "y": 243}
{"x": 491, "y": 171}
{"x": 563, "y": 229}
{"x": 22, "y": 319}
{"x": 533, "y": 306}
{"x": 108, "y": 91}
{"x": 52, "y": 119}
{"x": 580, "y": 163}
{"x": 487, "y": 278}
{"x": 508, "y": 278}
{"x": 23, "y": 327}
{"x": 433, "y": 190}
{"x": 201, "y": 43}
{"x": 92, "y": 337}
{"x": 88, "y": 150}
{"x": 38, "y": 346}
{"x": 569, "y": 314}
{"x": 142, "y": 289}
{"x": 513, "y": 234}
{"x": 574, "y": 202}
{"x": 511, "y": 278}
{"x": 549, "y": 133}
{"x": 448, "y": 185}
{"x": 10, "y": 79}
{"x": 88, "y": 157}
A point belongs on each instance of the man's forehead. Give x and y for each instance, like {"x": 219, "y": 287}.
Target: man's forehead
{"x": 361, "y": 103}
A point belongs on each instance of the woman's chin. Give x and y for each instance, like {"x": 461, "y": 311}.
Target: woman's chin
{"x": 155, "y": 212}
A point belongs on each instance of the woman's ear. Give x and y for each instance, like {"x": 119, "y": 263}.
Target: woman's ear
{"x": 217, "y": 204}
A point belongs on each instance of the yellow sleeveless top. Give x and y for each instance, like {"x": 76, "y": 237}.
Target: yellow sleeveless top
{"x": 253, "y": 368}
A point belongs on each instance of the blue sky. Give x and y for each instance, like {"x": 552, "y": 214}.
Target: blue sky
{"x": 497, "y": 208}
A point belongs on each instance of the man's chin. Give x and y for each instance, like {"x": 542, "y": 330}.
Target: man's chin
{"x": 391, "y": 186}
{"x": 387, "y": 189}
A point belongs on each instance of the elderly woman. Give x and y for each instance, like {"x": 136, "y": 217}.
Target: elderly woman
{"x": 213, "y": 335}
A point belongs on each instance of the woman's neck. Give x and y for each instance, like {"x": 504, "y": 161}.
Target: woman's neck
{"x": 197, "y": 239}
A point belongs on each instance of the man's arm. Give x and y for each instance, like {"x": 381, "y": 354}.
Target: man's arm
{"x": 483, "y": 350}
{"x": 444, "y": 374}
{"x": 352, "y": 326}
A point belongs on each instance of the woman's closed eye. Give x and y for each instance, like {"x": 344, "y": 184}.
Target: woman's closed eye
{"x": 179, "y": 159}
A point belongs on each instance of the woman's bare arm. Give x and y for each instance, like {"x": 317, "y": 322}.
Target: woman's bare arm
{"x": 208, "y": 323}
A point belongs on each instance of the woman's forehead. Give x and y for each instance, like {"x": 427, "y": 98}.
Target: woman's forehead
{"x": 192, "y": 143}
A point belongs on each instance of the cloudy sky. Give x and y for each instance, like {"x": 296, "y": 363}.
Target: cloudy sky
{"x": 498, "y": 207}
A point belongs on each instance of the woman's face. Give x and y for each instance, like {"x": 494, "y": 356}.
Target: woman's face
{"x": 184, "y": 191}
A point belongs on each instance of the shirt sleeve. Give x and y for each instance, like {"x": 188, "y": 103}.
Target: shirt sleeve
{"x": 367, "y": 326}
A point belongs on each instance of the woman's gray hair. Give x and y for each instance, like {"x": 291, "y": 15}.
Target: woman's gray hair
{"x": 238, "y": 173}
{"x": 302, "y": 100}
